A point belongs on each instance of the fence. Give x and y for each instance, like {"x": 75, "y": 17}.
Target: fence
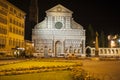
{"x": 107, "y": 52}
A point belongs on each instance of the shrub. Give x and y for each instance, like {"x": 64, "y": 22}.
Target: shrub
{"x": 80, "y": 74}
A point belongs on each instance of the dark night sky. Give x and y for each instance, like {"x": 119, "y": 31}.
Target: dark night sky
{"x": 103, "y": 15}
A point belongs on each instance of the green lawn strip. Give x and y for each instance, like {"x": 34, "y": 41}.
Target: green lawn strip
{"x": 54, "y": 75}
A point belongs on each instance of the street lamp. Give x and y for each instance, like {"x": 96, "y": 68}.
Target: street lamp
{"x": 109, "y": 40}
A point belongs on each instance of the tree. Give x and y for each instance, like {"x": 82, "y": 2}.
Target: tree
{"x": 102, "y": 39}
{"x": 90, "y": 36}
{"x": 103, "y": 42}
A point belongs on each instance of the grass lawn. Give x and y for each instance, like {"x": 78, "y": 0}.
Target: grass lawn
{"x": 54, "y": 75}
{"x": 28, "y": 64}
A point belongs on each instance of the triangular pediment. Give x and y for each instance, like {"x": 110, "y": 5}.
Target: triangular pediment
{"x": 59, "y": 8}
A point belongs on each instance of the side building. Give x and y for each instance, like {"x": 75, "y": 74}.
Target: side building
{"x": 12, "y": 25}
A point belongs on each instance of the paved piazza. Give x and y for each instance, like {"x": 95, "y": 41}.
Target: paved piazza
{"x": 105, "y": 70}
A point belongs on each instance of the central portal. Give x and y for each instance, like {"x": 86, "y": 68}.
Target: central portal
{"x": 58, "y": 48}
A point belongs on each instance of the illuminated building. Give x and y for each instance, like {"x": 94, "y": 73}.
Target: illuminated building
{"x": 113, "y": 41}
{"x": 58, "y": 34}
{"x": 12, "y": 24}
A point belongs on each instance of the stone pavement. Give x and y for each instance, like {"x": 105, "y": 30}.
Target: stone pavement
{"x": 105, "y": 70}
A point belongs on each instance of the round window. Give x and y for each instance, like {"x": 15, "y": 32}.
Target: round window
{"x": 58, "y": 25}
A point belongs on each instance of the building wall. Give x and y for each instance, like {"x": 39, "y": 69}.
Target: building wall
{"x": 12, "y": 25}
{"x": 72, "y": 41}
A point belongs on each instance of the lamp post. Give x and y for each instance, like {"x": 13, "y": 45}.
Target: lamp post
{"x": 109, "y": 40}
{"x": 119, "y": 42}
{"x": 96, "y": 46}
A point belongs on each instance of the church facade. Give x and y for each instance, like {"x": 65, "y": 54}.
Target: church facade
{"x": 58, "y": 34}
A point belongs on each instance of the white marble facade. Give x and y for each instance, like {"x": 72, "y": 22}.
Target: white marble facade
{"x": 58, "y": 34}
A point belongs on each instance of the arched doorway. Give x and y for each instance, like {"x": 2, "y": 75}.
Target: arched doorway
{"x": 88, "y": 51}
{"x": 45, "y": 51}
{"x": 58, "y": 48}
